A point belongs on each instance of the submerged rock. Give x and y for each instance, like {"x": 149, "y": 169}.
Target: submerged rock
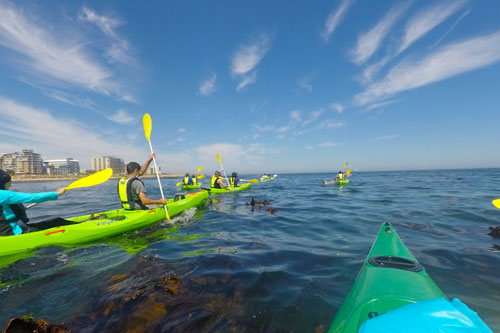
{"x": 28, "y": 324}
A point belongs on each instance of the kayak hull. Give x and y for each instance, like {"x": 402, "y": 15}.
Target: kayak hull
{"x": 390, "y": 278}
{"x": 243, "y": 187}
{"x": 336, "y": 182}
{"x": 191, "y": 187}
{"x": 116, "y": 222}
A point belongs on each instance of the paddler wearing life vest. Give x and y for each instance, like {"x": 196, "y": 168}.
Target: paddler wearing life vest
{"x": 131, "y": 189}
{"x": 13, "y": 217}
{"x": 216, "y": 181}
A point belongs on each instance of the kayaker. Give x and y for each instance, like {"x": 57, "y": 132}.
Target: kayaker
{"x": 234, "y": 181}
{"x": 13, "y": 217}
{"x": 340, "y": 176}
{"x": 216, "y": 181}
{"x": 131, "y": 189}
{"x": 195, "y": 181}
{"x": 188, "y": 180}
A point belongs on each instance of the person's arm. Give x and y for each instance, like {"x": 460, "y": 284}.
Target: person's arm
{"x": 146, "y": 201}
{"x": 11, "y": 197}
{"x": 221, "y": 183}
{"x": 145, "y": 166}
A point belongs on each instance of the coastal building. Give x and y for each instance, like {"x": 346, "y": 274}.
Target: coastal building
{"x": 103, "y": 162}
{"x": 25, "y": 162}
{"x": 68, "y": 166}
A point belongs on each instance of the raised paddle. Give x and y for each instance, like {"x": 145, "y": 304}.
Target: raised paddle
{"x": 345, "y": 165}
{"x": 92, "y": 180}
{"x": 496, "y": 203}
{"x": 348, "y": 173}
{"x": 146, "y": 122}
{"x": 222, "y": 167}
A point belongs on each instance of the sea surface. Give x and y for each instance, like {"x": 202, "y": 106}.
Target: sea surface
{"x": 228, "y": 267}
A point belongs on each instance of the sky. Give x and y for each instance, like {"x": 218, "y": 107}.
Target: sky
{"x": 272, "y": 86}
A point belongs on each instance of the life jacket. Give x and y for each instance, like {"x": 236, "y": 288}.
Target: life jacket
{"x": 19, "y": 212}
{"x": 232, "y": 181}
{"x": 214, "y": 182}
{"x": 195, "y": 181}
{"x": 125, "y": 194}
{"x": 341, "y": 176}
{"x": 186, "y": 180}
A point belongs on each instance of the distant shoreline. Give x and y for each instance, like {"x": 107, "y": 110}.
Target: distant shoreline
{"x": 43, "y": 178}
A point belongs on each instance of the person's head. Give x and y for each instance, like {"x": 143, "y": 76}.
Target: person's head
{"x": 187, "y": 174}
{"x": 4, "y": 180}
{"x": 217, "y": 173}
{"x": 341, "y": 172}
{"x": 133, "y": 168}
{"x": 193, "y": 176}
{"x": 234, "y": 174}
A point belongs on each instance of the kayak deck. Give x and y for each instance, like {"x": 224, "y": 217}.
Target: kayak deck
{"x": 390, "y": 278}
{"x": 115, "y": 222}
{"x": 191, "y": 187}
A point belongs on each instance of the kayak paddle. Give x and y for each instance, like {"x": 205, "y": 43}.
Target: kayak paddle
{"x": 146, "y": 122}
{"x": 200, "y": 176}
{"x": 345, "y": 165}
{"x": 222, "y": 167}
{"x": 92, "y": 180}
{"x": 496, "y": 203}
{"x": 255, "y": 181}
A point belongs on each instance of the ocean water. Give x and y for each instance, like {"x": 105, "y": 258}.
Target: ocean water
{"x": 227, "y": 267}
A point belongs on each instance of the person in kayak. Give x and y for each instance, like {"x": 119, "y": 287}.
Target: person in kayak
{"x": 131, "y": 189}
{"x": 188, "y": 180}
{"x": 234, "y": 181}
{"x": 340, "y": 176}
{"x": 13, "y": 216}
{"x": 195, "y": 181}
{"x": 216, "y": 181}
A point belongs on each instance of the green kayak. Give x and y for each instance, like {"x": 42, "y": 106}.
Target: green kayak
{"x": 116, "y": 222}
{"x": 243, "y": 187}
{"x": 191, "y": 187}
{"x": 390, "y": 278}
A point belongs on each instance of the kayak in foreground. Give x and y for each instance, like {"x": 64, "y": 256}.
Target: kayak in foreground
{"x": 393, "y": 288}
{"x": 191, "y": 187}
{"x": 243, "y": 187}
{"x": 336, "y": 182}
{"x": 115, "y": 222}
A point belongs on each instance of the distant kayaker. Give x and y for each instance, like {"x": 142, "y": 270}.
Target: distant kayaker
{"x": 340, "y": 176}
{"x": 216, "y": 181}
{"x": 188, "y": 180}
{"x": 234, "y": 181}
{"x": 13, "y": 216}
{"x": 195, "y": 181}
{"x": 131, "y": 189}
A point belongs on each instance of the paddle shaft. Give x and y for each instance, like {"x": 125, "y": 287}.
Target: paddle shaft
{"x": 223, "y": 170}
{"x": 158, "y": 178}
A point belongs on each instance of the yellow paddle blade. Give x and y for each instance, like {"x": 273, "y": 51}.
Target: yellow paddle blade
{"x": 200, "y": 168}
{"x": 201, "y": 176}
{"x": 146, "y": 122}
{"x": 255, "y": 181}
{"x": 178, "y": 184}
{"x": 496, "y": 203}
{"x": 218, "y": 158}
{"x": 94, "y": 179}
{"x": 345, "y": 165}
{"x": 349, "y": 171}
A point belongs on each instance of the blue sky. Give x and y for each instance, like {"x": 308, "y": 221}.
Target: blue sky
{"x": 280, "y": 86}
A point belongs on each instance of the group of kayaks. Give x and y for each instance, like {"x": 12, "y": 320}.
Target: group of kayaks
{"x": 89, "y": 228}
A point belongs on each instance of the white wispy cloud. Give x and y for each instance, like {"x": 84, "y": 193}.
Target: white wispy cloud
{"x": 379, "y": 105}
{"x": 335, "y": 18}
{"x": 337, "y": 107}
{"x": 450, "y": 29}
{"x": 446, "y": 62}
{"x": 208, "y": 86}
{"x": 53, "y": 55}
{"x": 427, "y": 19}
{"x": 327, "y": 144}
{"x": 122, "y": 117}
{"x": 313, "y": 116}
{"x": 28, "y": 126}
{"x": 304, "y": 83}
{"x": 246, "y": 80}
{"x": 309, "y": 147}
{"x": 119, "y": 49}
{"x": 331, "y": 124}
{"x": 384, "y": 138}
{"x": 247, "y": 57}
{"x": 181, "y": 130}
{"x": 370, "y": 42}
